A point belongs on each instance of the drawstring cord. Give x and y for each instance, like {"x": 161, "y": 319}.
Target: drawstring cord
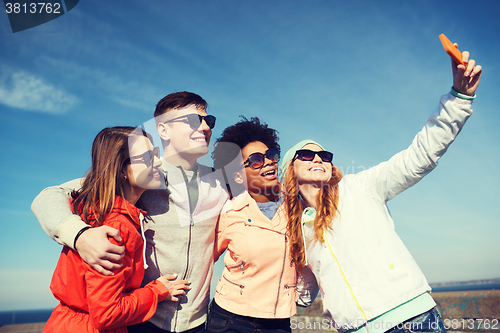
{"x": 308, "y": 215}
{"x": 304, "y": 240}
{"x": 141, "y": 218}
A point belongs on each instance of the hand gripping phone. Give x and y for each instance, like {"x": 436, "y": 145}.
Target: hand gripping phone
{"x": 452, "y": 51}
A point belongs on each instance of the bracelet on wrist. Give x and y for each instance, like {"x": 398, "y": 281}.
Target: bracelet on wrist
{"x": 462, "y": 96}
{"x": 79, "y": 234}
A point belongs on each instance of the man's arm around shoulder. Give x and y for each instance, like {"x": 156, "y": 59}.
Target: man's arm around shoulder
{"x": 52, "y": 209}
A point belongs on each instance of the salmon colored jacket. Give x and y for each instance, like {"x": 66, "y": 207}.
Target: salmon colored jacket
{"x": 91, "y": 302}
{"x": 258, "y": 279}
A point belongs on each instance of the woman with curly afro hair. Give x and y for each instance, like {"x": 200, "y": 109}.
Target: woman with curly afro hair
{"x": 258, "y": 287}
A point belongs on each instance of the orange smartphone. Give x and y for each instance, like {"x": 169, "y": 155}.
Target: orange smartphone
{"x": 452, "y": 51}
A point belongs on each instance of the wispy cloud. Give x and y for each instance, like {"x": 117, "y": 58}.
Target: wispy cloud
{"x": 111, "y": 83}
{"x": 25, "y": 91}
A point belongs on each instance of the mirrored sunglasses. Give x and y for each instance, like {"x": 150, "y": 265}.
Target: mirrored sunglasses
{"x": 146, "y": 158}
{"x": 256, "y": 160}
{"x": 194, "y": 120}
{"x": 308, "y": 155}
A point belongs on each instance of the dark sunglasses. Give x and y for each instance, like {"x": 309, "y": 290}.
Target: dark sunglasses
{"x": 146, "y": 158}
{"x": 256, "y": 160}
{"x": 194, "y": 120}
{"x": 308, "y": 155}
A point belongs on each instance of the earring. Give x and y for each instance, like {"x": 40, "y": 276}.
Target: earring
{"x": 125, "y": 177}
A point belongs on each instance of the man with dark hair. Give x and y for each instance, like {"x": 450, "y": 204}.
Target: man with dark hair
{"x": 179, "y": 100}
{"x": 180, "y": 234}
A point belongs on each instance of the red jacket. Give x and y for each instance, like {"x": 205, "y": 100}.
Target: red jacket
{"x": 92, "y": 302}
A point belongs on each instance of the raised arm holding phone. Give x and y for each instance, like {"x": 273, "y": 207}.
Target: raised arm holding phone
{"x": 341, "y": 228}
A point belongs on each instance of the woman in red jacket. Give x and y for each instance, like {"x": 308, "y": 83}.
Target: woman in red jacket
{"x": 124, "y": 165}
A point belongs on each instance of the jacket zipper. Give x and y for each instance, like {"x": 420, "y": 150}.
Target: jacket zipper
{"x": 290, "y": 286}
{"x": 281, "y": 276}
{"x": 241, "y": 266}
{"x": 234, "y": 283}
{"x": 191, "y": 223}
{"x": 185, "y": 272}
{"x": 188, "y": 247}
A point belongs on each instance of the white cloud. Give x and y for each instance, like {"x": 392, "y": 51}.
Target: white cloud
{"x": 27, "y": 92}
{"x": 120, "y": 88}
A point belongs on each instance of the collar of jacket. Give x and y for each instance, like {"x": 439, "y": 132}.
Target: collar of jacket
{"x": 308, "y": 215}
{"x": 122, "y": 206}
{"x": 241, "y": 200}
{"x": 167, "y": 167}
{"x": 173, "y": 174}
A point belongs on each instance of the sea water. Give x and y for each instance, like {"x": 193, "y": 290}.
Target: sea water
{"x": 467, "y": 287}
{"x": 24, "y": 316}
{"x": 38, "y": 316}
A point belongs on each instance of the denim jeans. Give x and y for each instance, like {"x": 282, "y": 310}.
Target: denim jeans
{"x": 220, "y": 320}
{"x": 429, "y": 321}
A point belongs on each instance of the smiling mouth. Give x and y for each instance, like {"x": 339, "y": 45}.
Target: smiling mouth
{"x": 317, "y": 169}
{"x": 269, "y": 174}
{"x": 201, "y": 139}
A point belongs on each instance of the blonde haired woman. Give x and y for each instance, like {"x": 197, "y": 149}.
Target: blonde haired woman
{"x": 341, "y": 228}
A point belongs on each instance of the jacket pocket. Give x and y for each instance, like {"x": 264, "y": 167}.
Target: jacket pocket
{"x": 235, "y": 284}
{"x": 220, "y": 288}
{"x": 240, "y": 267}
{"x": 292, "y": 291}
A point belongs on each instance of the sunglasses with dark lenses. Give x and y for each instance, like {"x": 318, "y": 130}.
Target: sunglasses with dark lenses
{"x": 308, "y": 155}
{"x": 194, "y": 120}
{"x": 146, "y": 158}
{"x": 256, "y": 160}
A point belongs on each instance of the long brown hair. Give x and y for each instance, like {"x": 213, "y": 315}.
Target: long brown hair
{"x": 110, "y": 154}
{"x": 327, "y": 209}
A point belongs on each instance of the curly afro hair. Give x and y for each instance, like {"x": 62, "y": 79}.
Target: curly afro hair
{"x": 241, "y": 134}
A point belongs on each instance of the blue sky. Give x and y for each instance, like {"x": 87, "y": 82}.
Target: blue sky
{"x": 360, "y": 77}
